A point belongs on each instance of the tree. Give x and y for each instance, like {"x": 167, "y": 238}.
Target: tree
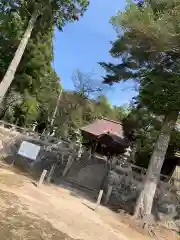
{"x": 103, "y": 107}
{"x": 142, "y": 128}
{"x": 86, "y": 85}
{"x": 59, "y": 12}
{"x": 77, "y": 108}
{"x": 34, "y": 78}
{"x": 85, "y": 104}
{"x": 76, "y": 111}
{"x": 121, "y": 112}
{"x": 148, "y": 46}
{"x": 13, "y": 100}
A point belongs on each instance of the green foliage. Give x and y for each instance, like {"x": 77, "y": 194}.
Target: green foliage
{"x": 11, "y": 27}
{"x": 148, "y": 46}
{"x": 35, "y": 82}
{"x": 57, "y": 12}
{"x": 142, "y": 127}
{"x": 81, "y": 106}
{"x": 120, "y": 113}
{"x": 76, "y": 111}
{"x": 85, "y": 104}
{"x": 29, "y": 110}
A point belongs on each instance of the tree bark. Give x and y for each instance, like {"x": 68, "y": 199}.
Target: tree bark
{"x": 9, "y": 76}
{"x": 55, "y": 111}
{"x": 145, "y": 202}
{"x": 133, "y": 154}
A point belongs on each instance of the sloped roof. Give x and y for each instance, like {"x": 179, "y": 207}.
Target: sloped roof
{"x": 103, "y": 126}
{"x": 113, "y": 139}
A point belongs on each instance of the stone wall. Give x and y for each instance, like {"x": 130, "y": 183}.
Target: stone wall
{"x": 126, "y": 186}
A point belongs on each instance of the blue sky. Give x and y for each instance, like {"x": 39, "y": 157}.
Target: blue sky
{"x": 85, "y": 43}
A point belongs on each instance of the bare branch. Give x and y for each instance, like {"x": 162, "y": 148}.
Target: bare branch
{"x": 86, "y": 85}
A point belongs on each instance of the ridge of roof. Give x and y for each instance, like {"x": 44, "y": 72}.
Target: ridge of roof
{"x": 110, "y": 120}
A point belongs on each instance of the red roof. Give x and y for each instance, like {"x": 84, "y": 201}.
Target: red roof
{"x": 102, "y": 126}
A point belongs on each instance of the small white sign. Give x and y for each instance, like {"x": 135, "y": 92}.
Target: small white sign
{"x": 29, "y": 150}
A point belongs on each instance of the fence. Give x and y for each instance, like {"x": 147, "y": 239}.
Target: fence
{"x": 30, "y": 133}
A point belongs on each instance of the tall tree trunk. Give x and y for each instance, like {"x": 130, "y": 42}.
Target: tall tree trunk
{"x": 56, "y": 108}
{"x": 144, "y": 204}
{"x": 9, "y": 76}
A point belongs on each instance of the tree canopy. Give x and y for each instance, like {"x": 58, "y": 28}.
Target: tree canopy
{"x": 33, "y": 94}
{"x": 85, "y": 104}
{"x": 147, "y": 45}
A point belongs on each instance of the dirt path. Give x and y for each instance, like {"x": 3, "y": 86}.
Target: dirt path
{"x": 17, "y": 224}
{"x": 54, "y": 213}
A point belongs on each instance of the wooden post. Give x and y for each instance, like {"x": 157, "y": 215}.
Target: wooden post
{"x": 68, "y": 165}
{"x": 108, "y": 194}
{"x": 13, "y": 161}
{"x": 42, "y": 177}
{"x": 51, "y": 172}
{"x": 99, "y": 199}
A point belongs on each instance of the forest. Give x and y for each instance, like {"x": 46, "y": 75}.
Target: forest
{"x": 148, "y": 49}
